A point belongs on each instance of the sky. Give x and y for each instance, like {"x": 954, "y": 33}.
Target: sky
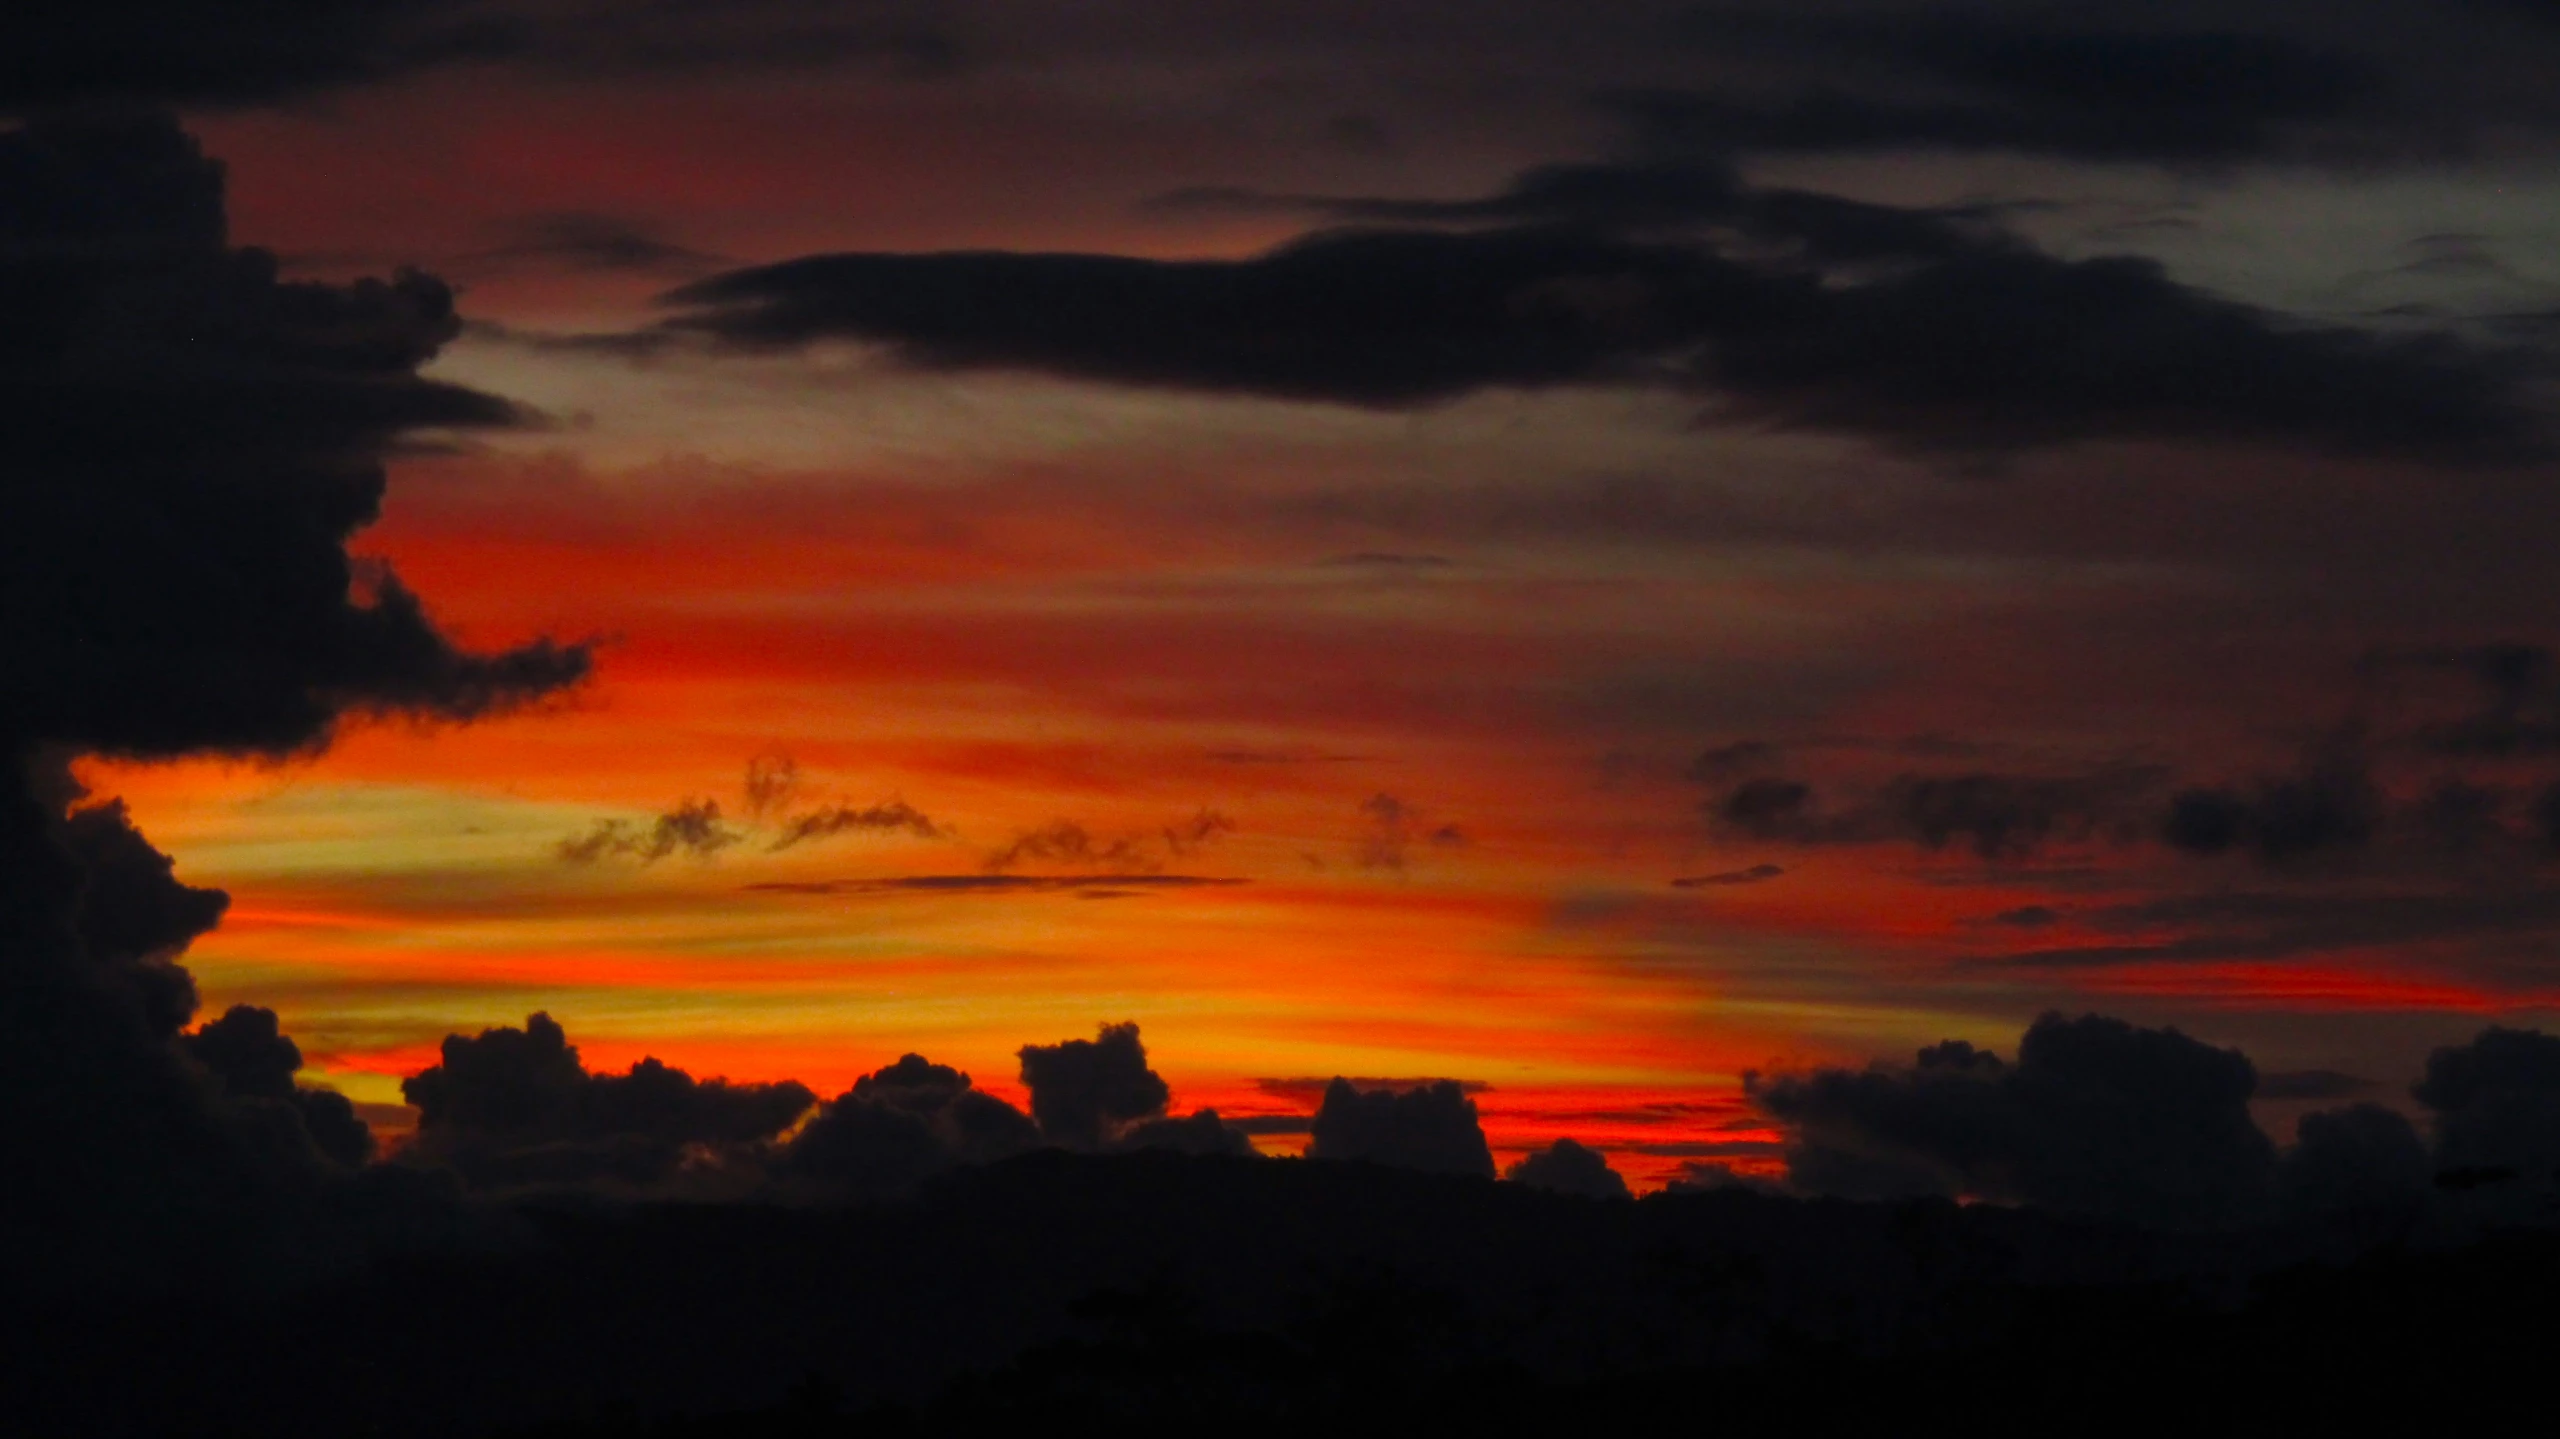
{"x": 1589, "y": 553}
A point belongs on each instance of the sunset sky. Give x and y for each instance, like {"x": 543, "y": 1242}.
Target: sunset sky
{"x": 1587, "y": 550}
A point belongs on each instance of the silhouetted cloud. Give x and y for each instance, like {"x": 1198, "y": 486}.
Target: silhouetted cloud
{"x": 998, "y": 884}
{"x": 2096, "y": 1117}
{"x": 2362, "y": 1159}
{"x": 245, "y": 52}
{"x": 1975, "y": 81}
{"x": 887, "y": 817}
{"x": 1756, "y": 874}
{"x": 1997, "y": 816}
{"x": 1086, "y": 1091}
{"x": 250, "y": 1057}
{"x": 1989, "y": 345}
{"x": 517, "y": 1106}
{"x": 1569, "y": 1168}
{"x": 903, "y": 1124}
{"x": 692, "y": 827}
{"x": 2497, "y": 1114}
{"x": 186, "y": 445}
{"x": 1432, "y": 1127}
{"x": 2331, "y": 805}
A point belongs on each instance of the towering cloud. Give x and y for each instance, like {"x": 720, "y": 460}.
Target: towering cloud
{"x": 186, "y": 445}
{"x": 1430, "y": 1127}
{"x": 1084, "y": 1091}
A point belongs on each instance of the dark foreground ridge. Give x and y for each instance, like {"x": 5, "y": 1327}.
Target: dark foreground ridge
{"x": 1157, "y": 1291}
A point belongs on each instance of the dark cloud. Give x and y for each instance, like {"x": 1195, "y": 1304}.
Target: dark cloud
{"x": 1962, "y": 81}
{"x": 2027, "y": 916}
{"x": 1432, "y": 1127}
{"x": 2519, "y": 704}
{"x": 249, "y": 1056}
{"x": 1200, "y": 1132}
{"x": 2362, "y": 1159}
{"x": 2332, "y": 805}
{"x": 692, "y": 828}
{"x": 2264, "y": 924}
{"x": 1984, "y": 346}
{"x": 999, "y": 884}
{"x": 1997, "y": 816}
{"x": 1390, "y": 829}
{"x": 1724, "y": 764}
{"x": 55, "y": 54}
{"x": 1756, "y": 874}
{"x": 1085, "y": 1092}
{"x": 2096, "y": 1117}
{"x": 2497, "y": 1114}
{"x": 903, "y": 1124}
{"x": 517, "y": 1106}
{"x": 889, "y": 817}
{"x": 187, "y": 444}
{"x": 190, "y": 444}
{"x": 1066, "y": 842}
{"x": 1567, "y": 1167}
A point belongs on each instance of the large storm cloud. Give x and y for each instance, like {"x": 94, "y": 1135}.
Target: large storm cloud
{"x": 187, "y": 443}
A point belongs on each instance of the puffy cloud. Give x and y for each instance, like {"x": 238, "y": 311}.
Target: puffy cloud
{"x": 1429, "y": 1127}
{"x": 1086, "y": 1091}
{"x": 2497, "y": 1109}
{"x": 1568, "y": 1167}
{"x": 187, "y": 443}
{"x": 903, "y": 1124}
{"x": 249, "y": 1056}
{"x": 2364, "y": 1159}
{"x": 514, "y": 1106}
{"x": 2095, "y": 1117}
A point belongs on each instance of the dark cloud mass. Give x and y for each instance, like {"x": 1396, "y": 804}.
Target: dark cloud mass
{"x": 2497, "y": 1112}
{"x": 1973, "y": 342}
{"x": 1087, "y": 1091}
{"x": 186, "y": 445}
{"x": 903, "y": 1124}
{"x": 1431, "y": 1127}
{"x": 2096, "y": 1117}
{"x": 517, "y": 1106}
{"x": 1567, "y": 1167}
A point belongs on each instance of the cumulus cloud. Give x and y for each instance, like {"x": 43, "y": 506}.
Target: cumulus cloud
{"x": 1568, "y": 1167}
{"x": 900, "y": 1125}
{"x": 1086, "y": 1091}
{"x": 517, "y": 1106}
{"x": 1430, "y": 1127}
{"x": 2096, "y": 1117}
{"x": 187, "y": 443}
{"x": 249, "y": 1056}
{"x": 2364, "y": 1159}
{"x": 2497, "y": 1111}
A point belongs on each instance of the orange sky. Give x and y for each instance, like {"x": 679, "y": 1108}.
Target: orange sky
{"x": 1014, "y": 603}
